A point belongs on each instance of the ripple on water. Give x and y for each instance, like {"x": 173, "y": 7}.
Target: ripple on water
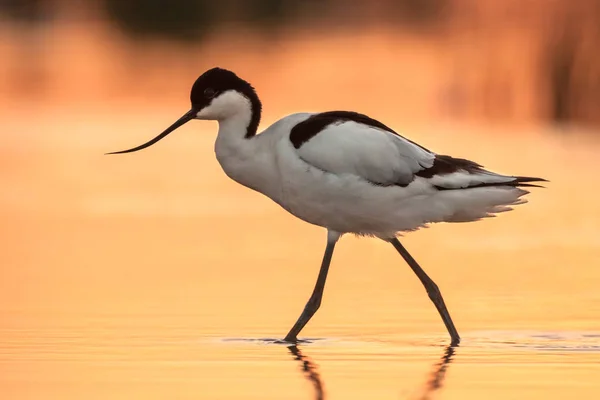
{"x": 273, "y": 341}
{"x": 570, "y": 341}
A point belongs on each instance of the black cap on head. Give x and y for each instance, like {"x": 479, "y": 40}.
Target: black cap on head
{"x": 216, "y": 81}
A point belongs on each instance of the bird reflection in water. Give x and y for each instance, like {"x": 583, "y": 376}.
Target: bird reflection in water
{"x": 434, "y": 383}
{"x": 438, "y": 373}
{"x": 309, "y": 369}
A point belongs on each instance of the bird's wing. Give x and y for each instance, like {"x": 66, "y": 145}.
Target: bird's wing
{"x": 350, "y": 143}
{"x": 342, "y": 142}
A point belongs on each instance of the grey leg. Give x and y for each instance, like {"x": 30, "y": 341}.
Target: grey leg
{"x": 432, "y": 290}
{"x": 315, "y": 299}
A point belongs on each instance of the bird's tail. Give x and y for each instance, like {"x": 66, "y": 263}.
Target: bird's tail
{"x": 482, "y": 178}
{"x": 525, "y": 181}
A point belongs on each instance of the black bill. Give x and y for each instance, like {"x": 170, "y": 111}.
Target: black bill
{"x": 188, "y": 116}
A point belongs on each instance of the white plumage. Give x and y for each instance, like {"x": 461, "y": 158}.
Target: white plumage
{"x": 372, "y": 154}
{"x": 327, "y": 181}
{"x": 346, "y": 172}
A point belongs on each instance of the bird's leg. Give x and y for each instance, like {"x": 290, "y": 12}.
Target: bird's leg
{"x": 432, "y": 290}
{"x": 315, "y": 299}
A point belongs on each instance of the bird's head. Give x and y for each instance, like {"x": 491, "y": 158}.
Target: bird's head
{"x": 217, "y": 94}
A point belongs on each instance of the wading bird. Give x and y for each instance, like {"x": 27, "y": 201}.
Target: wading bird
{"x": 345, "y": 172}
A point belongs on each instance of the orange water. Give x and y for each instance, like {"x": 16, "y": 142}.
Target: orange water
{"x": 151, "y": 275}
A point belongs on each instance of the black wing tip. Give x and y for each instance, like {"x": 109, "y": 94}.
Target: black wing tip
{"x": 530, "y": 179}
{"x": 525, "y": 181}
{"x": 529, "y": 185}
{"x": 519, "y": 181}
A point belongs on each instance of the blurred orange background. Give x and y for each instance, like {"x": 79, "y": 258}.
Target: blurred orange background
{"x": 116, "y": 272}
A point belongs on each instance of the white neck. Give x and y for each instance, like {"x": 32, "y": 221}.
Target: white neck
{"x": 247, "y": 161}
{"x": 231, "y": 141}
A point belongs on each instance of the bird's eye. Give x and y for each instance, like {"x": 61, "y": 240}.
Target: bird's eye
{"x": 209, "y": 92}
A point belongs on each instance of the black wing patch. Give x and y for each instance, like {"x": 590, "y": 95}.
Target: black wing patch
{"x": 309, "y": 128}
{"x": 444, "y": 165}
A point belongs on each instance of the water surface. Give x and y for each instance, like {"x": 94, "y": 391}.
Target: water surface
{"x": 153, "y": 276}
